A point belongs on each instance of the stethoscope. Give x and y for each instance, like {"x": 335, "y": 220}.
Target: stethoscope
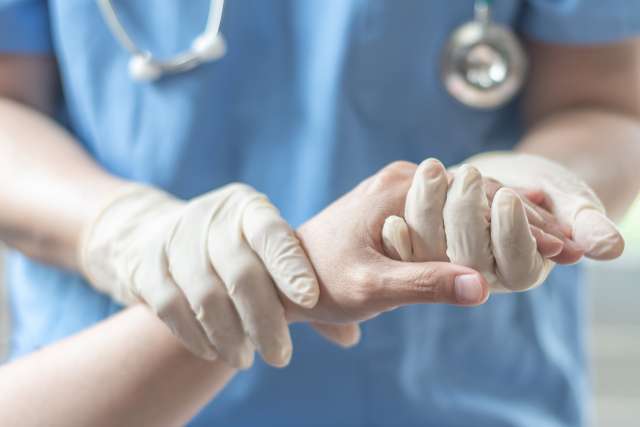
{"x": 483, "y": 66}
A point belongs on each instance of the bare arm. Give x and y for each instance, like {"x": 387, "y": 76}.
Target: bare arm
{"x": 48, "y": 185}
{"x": 582, "y": 105}
{"x": 128, "y": 370}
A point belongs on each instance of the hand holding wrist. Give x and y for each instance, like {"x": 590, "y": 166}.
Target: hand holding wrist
{"x": 208, "y": 267}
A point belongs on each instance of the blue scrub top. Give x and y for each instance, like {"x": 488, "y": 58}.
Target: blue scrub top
{"x": 312, "y": 97}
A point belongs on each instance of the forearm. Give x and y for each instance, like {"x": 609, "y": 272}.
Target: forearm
{"x": 127, "y": 371}
{"x": 601, "y": 147}
{"x": 48, "y": 185}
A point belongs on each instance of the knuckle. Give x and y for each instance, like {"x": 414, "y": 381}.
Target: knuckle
{"x": 425, "y": 281}
{"x": 398, "y": 166}
{"x": 238, "y": 187}
{"x": 428, "y": 286}
{"x": 393, "y": 173}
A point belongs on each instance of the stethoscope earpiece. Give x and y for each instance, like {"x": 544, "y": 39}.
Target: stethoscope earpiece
{"x": 144, "y": 67}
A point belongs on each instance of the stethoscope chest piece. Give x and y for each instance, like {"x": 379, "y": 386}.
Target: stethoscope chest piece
{"x": 484, "y": 65}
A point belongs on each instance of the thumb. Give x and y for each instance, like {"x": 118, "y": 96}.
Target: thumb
{"x": 404, "y": 283}
{"x": 345, "y": 335}
{"x": 598, "y": 235}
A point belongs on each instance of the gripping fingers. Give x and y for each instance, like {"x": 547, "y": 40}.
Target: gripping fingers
{"x": 156, "y": 287}
{"x": 548, "y": 245}
{"x": 520, "y": 266}
{"x": 191, "y": 269}
{"x": 254, "y": 295}
{"x": 539, "y": 217}
{"x": 279, "y": 249}
{"x": 423, "y": 211}
{"x": 466, "y": 221}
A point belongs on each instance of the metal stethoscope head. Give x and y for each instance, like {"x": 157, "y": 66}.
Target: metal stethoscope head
{"x": 484, "y": 64}
{"x": 143, "y": 66}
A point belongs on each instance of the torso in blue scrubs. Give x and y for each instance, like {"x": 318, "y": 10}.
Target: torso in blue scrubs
{"x": 312, "y": 97}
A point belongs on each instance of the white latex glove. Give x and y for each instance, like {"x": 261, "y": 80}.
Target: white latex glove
{"x": 455, "y": 222}
{"x": 207, "y": 267}
{"x": 570, "y": 199}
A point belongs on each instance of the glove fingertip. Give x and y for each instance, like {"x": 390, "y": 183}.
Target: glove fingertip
{"x": 598, "y": 235}
{"x": 279, "y": 356}
{"x": 396, "y": 239}
{"x": 304, "y": 291}
{"x": 244, "y": 360}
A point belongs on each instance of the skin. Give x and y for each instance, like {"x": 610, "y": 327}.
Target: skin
{"x": 134, "y": 351}
{"x": 593, "y": 100}
{"x": 592, "y": 121}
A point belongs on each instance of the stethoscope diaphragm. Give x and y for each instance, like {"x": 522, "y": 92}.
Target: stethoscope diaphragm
{"x": 484, "y": 64}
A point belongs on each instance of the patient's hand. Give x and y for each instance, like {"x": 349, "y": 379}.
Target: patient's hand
{"x": 357, "y": 280}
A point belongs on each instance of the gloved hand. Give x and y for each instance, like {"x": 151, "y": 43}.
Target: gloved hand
{"x": 207, "y": 267}
{"x": 568, "y": 198}
{"x": 457, "y": 224}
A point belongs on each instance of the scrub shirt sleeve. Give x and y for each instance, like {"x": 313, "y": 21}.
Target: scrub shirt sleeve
{"x": 24, "y": 26}
{"x": 580, "y": 21}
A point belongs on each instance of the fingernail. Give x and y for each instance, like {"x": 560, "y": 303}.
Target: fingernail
{"x": 468, "y": 289}
{"x": 556, "y": 245}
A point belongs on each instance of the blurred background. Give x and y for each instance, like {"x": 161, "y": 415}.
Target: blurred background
{"x": 615, "y": 331}
{"x": 614, "y": 313}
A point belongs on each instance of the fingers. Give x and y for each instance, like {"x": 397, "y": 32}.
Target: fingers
{"x": 491, "y": 187}
{"x": 344, "y": 335}
{"x": 207, "y": 296}
{"x": 549, "y": 246}
{"x": 253, "y": 294}
{"x": 154, "y": 284}
{"x": 466, "y": 222}
{"x": 280, "y": 251}
{"x": 550, "y": 225}
{"x": 519, "y": 265}
{"x": 423, "y": 212}
{"x": 598, "y": 235}
{"x": 537, "y": 197}
{"x": 403, "y": 283}
{"x": 396, "y": 241}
